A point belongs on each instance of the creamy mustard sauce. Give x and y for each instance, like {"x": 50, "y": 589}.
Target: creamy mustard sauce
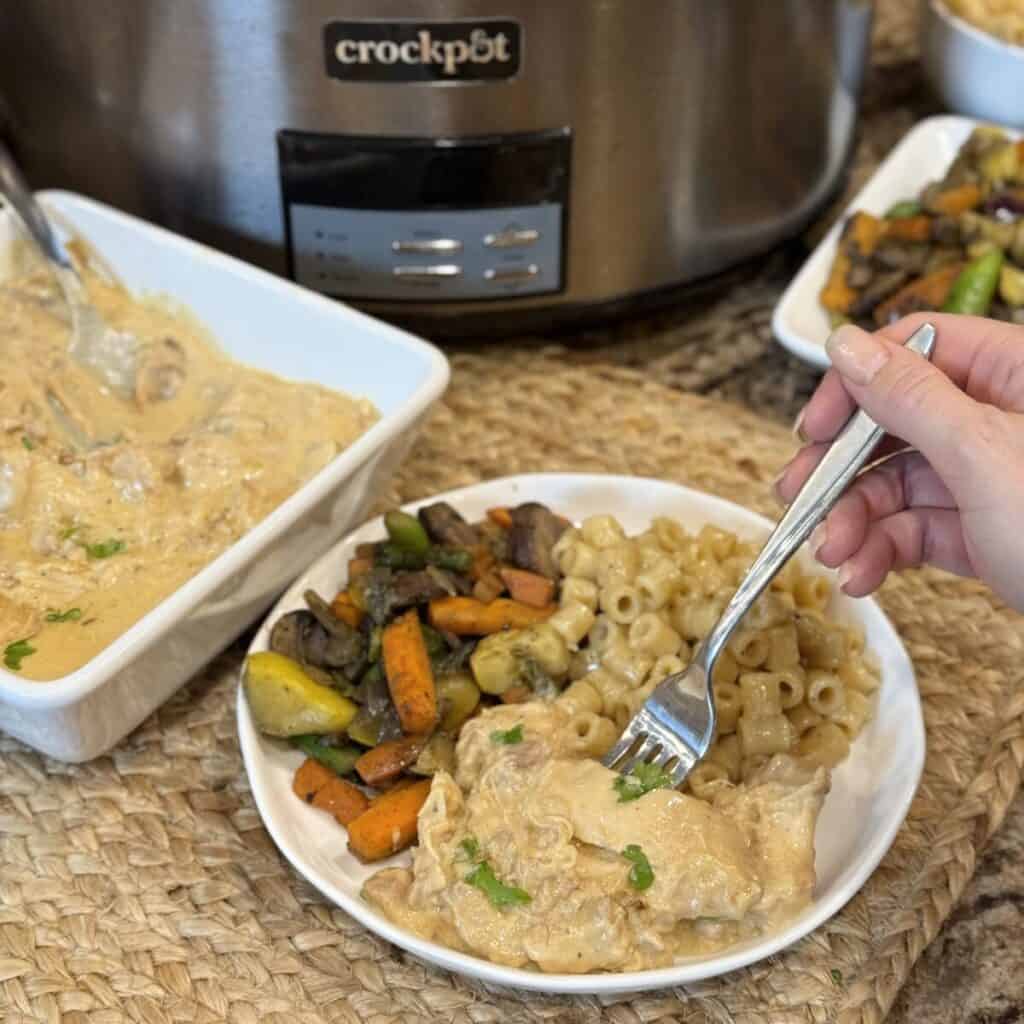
{"x": 553, "y": 825}
{"x": 124, "y": 472}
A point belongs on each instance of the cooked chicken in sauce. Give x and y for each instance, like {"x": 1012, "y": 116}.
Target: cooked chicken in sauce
{"x": 532, "y": 857}
{"x": 124, "y": 472}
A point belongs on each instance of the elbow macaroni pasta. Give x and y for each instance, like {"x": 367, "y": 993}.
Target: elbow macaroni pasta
{"x": 790, "y": 681}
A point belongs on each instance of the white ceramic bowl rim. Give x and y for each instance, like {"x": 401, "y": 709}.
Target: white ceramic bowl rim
{"x": 979, "y": 34}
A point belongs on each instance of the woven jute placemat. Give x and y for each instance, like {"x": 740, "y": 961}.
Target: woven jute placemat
{"x": 142, "y": 886}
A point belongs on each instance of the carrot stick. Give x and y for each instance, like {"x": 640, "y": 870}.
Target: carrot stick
{"x": 310, "y": 778}
{"x": 864, "y": 232}
{"x": 483, "y": 562}
{"x": 341, "y": 799}
{"x": 388, "y": 760}
{"x": 837, "y": 296}
{"x": 928, "y": 292}
{"x": 910, "y": 229}
{"x": 389, "y": 823}
{"x": 345, "y": 608}
{"x": 410, "y": 677}
{"x": 955, "y": 201}
{"x": 528, "y": 587}
{"x": 465, "y": 616}
{"x": 500, "y": 515}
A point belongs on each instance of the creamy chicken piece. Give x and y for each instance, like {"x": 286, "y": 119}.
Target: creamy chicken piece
{"x": 123, "y": 472}
{"x": 555, "y": 828}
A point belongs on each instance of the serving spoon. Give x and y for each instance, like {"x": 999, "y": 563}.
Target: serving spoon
{"x": 111, "y": 355}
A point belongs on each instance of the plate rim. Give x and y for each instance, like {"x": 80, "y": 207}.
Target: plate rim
{"x": 516, "y": 978}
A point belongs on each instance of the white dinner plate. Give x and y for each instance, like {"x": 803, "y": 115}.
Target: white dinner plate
{"x": 800, "y": 322}
{"x": 871, "y": 790}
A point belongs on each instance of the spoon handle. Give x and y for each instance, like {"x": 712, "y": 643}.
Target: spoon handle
{"x": 15, "y": 190}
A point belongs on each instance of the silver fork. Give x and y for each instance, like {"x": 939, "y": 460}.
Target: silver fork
{"x": 675, "y": 725}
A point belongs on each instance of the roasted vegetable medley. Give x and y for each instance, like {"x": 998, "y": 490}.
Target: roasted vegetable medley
{"x": 437, "y": 620}
{"x": 958, "y": 247}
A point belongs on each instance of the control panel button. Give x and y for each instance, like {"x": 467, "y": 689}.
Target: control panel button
{"x": 428, "y": 274}
{"x": 511, "y": 238}
{"x": 523, "y": 273}
{"x": 427, "y": 245}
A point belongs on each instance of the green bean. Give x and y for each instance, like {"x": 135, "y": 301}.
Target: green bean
{"x": 452, "y": 559}
{"x": 973, "y": 290}
{"x": 906, "y": 208}
{"x": 390, "y": 555}
{"x": 339, "y": 759}
{"x": 373, "y": 645}
{"x": 406, "y": 532}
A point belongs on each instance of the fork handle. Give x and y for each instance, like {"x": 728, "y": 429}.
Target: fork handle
{"x": 822, "y": 489}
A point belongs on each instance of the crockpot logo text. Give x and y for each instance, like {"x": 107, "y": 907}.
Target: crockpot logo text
{"x": 448, "y": 51}
{"x": 480, "y": 48}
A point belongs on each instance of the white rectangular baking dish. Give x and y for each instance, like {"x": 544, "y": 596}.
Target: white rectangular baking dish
{"x": 270, "y": 323}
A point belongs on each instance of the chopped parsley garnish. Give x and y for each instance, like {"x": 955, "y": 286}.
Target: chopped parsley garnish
{"x": 27, "y": 442}
{"x": 71, "y": 615}
{"x": 641, "y": 874}
{"x": 642, "y": 779}
{"x": 104, "y": 548}
{"x": 837, "y": 976}
{"x": 68, "y": 532}
{"x": 509, "y": 736}
{"x": 470, "y": 847}
{"x": 13, "y": 653}
{"x": 500, "y": 895}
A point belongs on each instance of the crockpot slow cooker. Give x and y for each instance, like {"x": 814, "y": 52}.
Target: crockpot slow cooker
{"x": 463, "y": 164}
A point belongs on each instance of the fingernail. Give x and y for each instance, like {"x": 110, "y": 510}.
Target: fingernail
{"x": 817, "y": 539}
{"x": 857, "y": 355}
{"x": 844, "y": 577}
{"x": 798, "y": 425}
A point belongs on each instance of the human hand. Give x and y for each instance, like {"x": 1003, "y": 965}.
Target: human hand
{"x": 950, "y": 491}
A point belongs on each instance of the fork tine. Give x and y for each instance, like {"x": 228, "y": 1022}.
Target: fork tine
{"x": 625, "y": 744}
{"x": 680, "y": 770}
{"x": 648, "y": 750}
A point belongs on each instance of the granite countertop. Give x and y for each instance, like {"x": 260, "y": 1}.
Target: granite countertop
{"x": 722, "y": 346}
{"x": 973, "y": 973}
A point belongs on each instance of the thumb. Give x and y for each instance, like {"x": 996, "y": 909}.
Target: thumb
{"x": 911, "y": 399}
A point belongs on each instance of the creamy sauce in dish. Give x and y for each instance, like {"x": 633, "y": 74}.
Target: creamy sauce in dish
{"x": 520, "y": 857}
{"x": 113, "y": 496}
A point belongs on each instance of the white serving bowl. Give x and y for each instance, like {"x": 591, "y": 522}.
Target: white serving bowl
{"x": 973, "y": 72}
{"x": 272, "y": 324}
{"x": 800, "y": 322}
{"x": 870, "y": 795}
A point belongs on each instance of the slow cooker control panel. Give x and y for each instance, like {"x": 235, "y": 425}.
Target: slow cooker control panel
{"x": 426, "y": 219}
